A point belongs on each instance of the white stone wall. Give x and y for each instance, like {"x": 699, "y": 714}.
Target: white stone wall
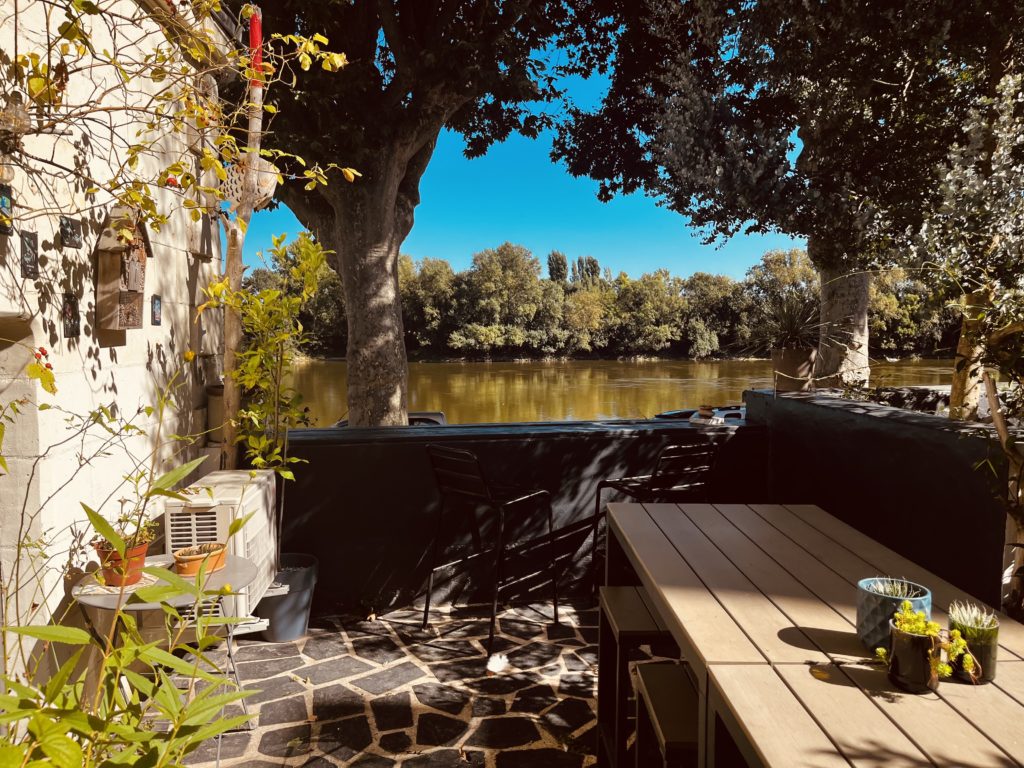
{"x": 127, "y": 368}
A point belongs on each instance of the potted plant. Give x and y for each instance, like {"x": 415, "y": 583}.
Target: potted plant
{"x": 788, "y": 328}
{"x": 189, "y": 560}
{"x": 921, "y": 653}
{"x": 122, "y": 557}
{"x": 980, "y": 628}
{"x": 879, "y": 598}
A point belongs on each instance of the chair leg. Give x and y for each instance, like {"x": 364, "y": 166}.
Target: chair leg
{"x": 498, "y": 558}
{"x": 433, "y": 568}
{"x": 554, "y": 559}
{"x": 594, "y": 576}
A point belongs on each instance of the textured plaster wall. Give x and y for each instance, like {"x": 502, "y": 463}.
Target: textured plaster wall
{"x": 125, "y": 369}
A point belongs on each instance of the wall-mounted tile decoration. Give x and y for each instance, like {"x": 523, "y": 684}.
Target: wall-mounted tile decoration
{"x": 70, "y": 232}
{"x": 122, "y": 271}
{"x": 6, "y": 210}
{"x": 156, "y": 309}
{"x": 29, "y": 255}
{"x": 69, "y": 314}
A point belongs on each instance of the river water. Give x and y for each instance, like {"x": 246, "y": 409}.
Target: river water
{"x": 575, "y": 390}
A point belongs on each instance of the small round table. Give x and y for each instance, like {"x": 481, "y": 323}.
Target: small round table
{"x": 239, "y": 572}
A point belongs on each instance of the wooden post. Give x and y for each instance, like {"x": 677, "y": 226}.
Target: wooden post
{"x": 237, "y": 228}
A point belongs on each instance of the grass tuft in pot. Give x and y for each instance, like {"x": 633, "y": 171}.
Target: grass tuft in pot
{"x": 979, "y": 627}
{"x": 878, "y": 599}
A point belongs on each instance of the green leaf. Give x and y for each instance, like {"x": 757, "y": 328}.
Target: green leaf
{"x": 56, "y": 684}
{"x": 104, "y": 529}
{"x": 170, "y": 577}
{"x": 238, "y": 522}
{"x": 13, "y": 756}
{"x": 175, "y": 476}
{"x": 61, "y": 749}
{"x": 55, "y": 634}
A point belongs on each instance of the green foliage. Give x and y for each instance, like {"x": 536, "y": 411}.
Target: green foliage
{"x": 784, "y": 311}
{"x": 274, "y": 332}
{"x": 134, "y": 699}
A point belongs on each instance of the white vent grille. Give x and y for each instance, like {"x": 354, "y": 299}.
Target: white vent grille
{"x": 238, "y": 495}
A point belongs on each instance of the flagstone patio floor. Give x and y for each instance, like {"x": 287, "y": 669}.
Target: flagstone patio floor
{"x": 383, "y": 693}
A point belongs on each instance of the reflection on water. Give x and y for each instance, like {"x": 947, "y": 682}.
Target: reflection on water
{"x": 580, "y": 389}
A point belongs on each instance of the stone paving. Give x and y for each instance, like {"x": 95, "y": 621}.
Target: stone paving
{"x": 376, "y": 694}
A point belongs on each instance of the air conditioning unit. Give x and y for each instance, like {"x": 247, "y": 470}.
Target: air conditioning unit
{"x": 220, "y": 498}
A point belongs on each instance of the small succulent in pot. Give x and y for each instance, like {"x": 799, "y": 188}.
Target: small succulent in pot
{"x": 879, "y": 598}
{"x": 122, "y": 546}
{"x": 921, "y": 652}
{"x": 979, "y": 626}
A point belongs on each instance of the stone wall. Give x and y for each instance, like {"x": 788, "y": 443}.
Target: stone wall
{"x": 125, "y": 369}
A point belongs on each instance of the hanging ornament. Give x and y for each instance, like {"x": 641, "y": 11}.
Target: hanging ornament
{"x": 266, "y": 173}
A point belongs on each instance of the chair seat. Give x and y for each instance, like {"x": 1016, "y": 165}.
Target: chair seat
{"x": 639, "y": 488}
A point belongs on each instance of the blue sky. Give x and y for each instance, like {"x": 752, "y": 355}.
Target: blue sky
{"x": 517, "y": 193}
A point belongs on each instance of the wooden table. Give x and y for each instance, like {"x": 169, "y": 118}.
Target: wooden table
{"x": 761, "y": 600}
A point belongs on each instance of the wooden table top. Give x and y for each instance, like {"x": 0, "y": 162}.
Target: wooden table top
{"x": 762, "y": 602}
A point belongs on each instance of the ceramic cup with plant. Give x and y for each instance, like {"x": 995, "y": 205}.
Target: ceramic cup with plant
{"x": 123, "y": 554}
{"x": 921, "y": 653}
{"x": 879, "y": 598}
{"x": 980, "y": 628}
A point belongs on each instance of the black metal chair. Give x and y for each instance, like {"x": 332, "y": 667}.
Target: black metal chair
{"x": 460, "y": 480}
{"x": 680, "y": 474}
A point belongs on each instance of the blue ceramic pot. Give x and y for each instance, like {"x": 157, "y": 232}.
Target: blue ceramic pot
{"x": 874, "y": 611}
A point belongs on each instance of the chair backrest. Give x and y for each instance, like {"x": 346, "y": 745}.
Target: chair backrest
{"x": 457, "y": 472}
{"x": 684, "y": 468}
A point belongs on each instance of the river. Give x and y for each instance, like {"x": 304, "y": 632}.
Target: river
{"x": 575, "y": 390}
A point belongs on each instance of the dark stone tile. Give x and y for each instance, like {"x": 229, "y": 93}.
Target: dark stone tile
{"x": 445, "y": 758}
{"x": 291, "y": 710}
{"x": 275, "y": 688}
{"x": 441, "y": 650}
{"x": 484, "y": 706}
{"x": 381, "y": 650}
{"x": 538, "y": 758}
{"x": 335, "y": 702}
{"x": 325, "y": 646}
{"x": 588, "y": 654}
{"x": 535, "y": 699}
{"x": 360, "y": 628}
{"x": 500, "y": 644}
{"x": 390, "y": 712}
{"x": 466, "y": 629}
{"x": 525, "y": 630}
{"x": 265, "y": 668}
{"x": 335, "y": 670}
{"x": 344, "y": 739}
{"x": 463, "y": 669}
{"x": 403, "y": 615}
{"x": 286, "y": 742}
{"x": 503, "y": 732}
{"x": 232, "y": 745}
{"x": 395, "y": 743}
{"x": 567, "y": 716}
{"x": 319, "y": 762}
{"x": 534, "y": 655}
{"x": 389, "y": 679}
{"x": 579, "y": 685}
{"x": 560, "y": 632}
{"x": 587, "y": 618}
{"x": 252, "y": 650}
{"x": 588, "y": 633}
{"x": 555, "y": 670}
{"x": 585, "y": 743}
{"x": 372, "y": 761}
{"x": 574, "y": 663}
{"x": 442, "y": 697}
{"x": 502, "y": 684}
{"x": 435, "y": 730}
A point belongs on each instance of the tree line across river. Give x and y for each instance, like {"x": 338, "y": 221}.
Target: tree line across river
{"x": 505, "y": 306}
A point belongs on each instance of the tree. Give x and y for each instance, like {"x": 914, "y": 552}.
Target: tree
{"x": 648, "y": 313}
{"x": 558, "y": 267}
{"x": 707, "y": 102}
{"x": 475, "y": 66}
{"x": 716, "y": 307}
{"x": 428, "y": 301}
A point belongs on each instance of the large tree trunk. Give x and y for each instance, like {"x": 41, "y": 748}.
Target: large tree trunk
{"x": 843, "y": 344}
{"x": 967, "y": 370}
{"x": 371, "y": 219}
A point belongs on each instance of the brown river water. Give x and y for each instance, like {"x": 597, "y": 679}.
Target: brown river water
{"x": 474, "y": 392}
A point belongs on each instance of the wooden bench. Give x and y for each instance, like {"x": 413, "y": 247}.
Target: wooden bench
{"x": 626, "y": 622}
{"x": 667, "y": 716}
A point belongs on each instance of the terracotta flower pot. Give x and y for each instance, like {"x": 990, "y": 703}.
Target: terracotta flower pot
{"x": 794, "y": 369}
{"x": 189, "y": 560}
{"x": 121, "y": 571}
